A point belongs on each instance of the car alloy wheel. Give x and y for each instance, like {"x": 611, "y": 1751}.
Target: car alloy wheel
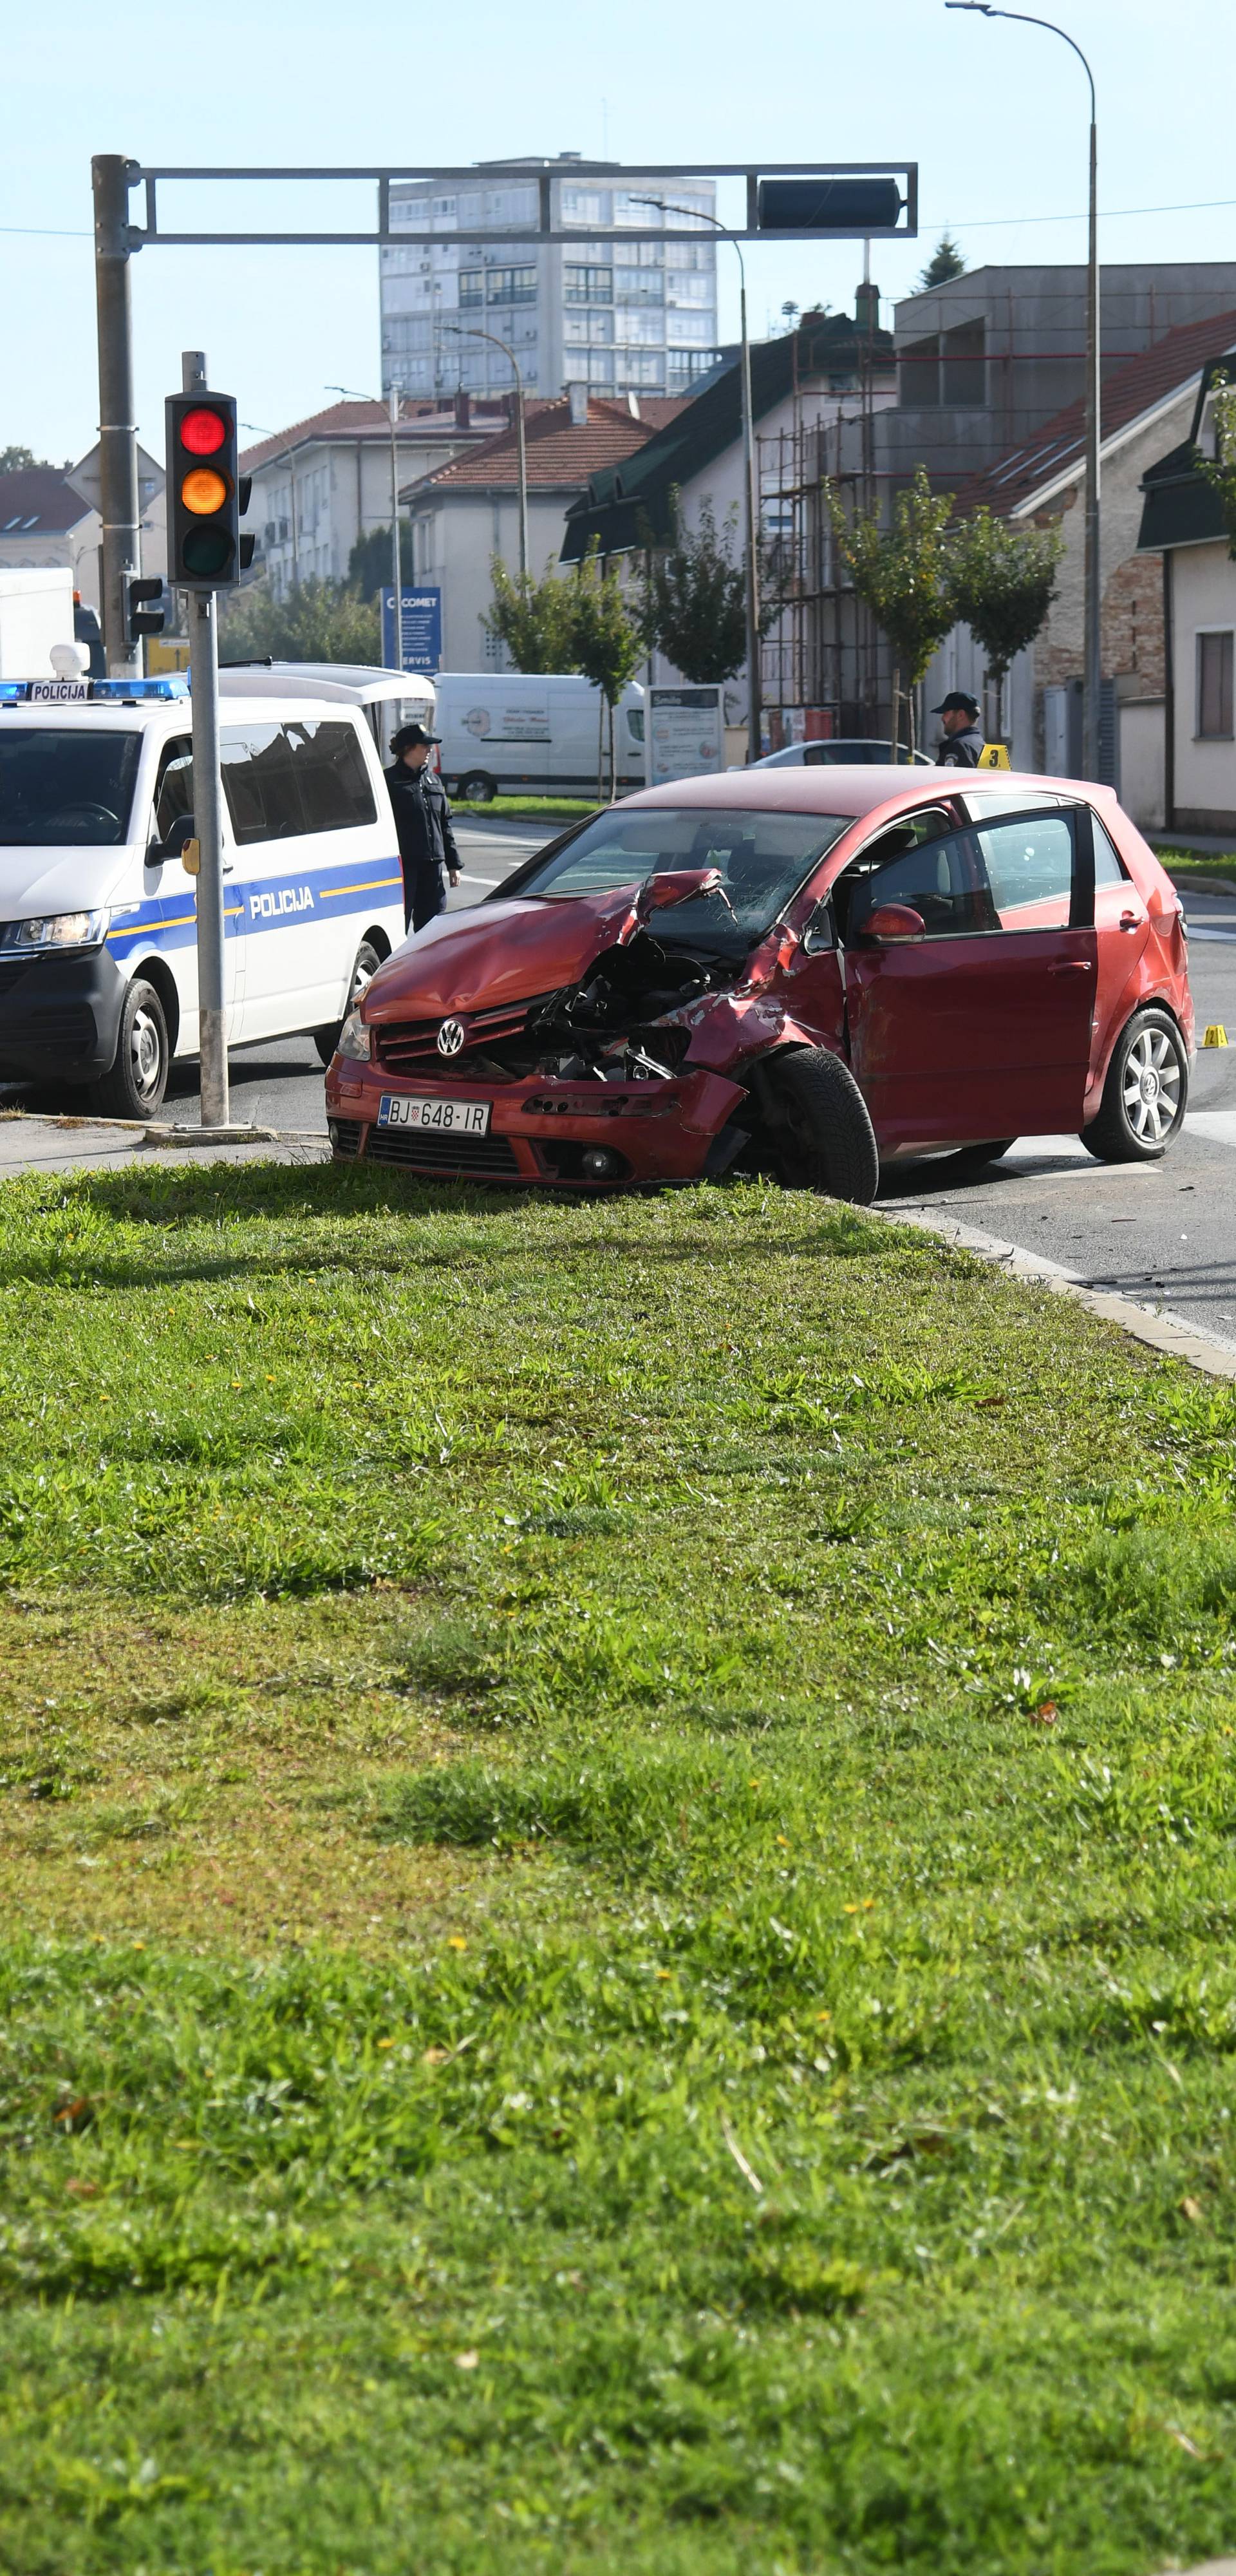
{"x": 1150, "y": 1088}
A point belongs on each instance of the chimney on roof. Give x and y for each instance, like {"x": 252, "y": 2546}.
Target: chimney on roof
{"x": 577, "y": 396}
{"x": 463, "y": 409}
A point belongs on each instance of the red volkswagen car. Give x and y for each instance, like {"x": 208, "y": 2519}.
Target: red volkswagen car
{"x": 798, "y": 970}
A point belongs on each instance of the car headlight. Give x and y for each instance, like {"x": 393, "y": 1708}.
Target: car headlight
{"x": 55, "y": 930}
{"x": 354, "y": 1038}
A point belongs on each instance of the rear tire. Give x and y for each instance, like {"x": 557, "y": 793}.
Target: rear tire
{"x": 135, "y": 1086}
{"x": 478, "y": 788}
{"x": 363, "y": 972}
{"x": 822, "y": 1133}
{"x": 1145, "y": 1092}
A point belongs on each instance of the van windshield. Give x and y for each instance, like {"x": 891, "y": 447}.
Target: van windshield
{"x": 63, "y": 787}
{"x": 763, "y": 859}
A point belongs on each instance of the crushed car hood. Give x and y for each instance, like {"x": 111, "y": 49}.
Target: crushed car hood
{"x": 500, "y": 952}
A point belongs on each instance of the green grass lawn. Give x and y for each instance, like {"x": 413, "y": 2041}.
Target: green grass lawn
{"x": 548, "y": 809}
{"x": 617, "y": 1827}
{"x": 1184, "y": 864}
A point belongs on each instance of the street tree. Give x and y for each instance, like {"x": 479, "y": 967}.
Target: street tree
{"x": 609, "y": 645}
{"x": 1004, "y": 582}
{"x": 535, "y": 620}
{"x": 945, "y": 262}
{"x": 322, "y": 621}
{"x": 1219, "y": 470}
{"x": 904, "y": 573}
{"x": 694, "y": 598}
{"x": 369, "y": 564}
{"x": 20, "y": 460}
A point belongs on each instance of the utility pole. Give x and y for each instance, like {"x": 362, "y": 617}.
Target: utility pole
{"x": 207, "y": 823}
{"x": 121, "y": 550}
{"x": 396, "y": 566}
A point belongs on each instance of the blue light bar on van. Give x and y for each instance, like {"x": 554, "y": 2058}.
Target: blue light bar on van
{"x": 68, "y": 693}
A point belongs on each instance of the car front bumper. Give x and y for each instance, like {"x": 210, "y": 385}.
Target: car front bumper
{"x": 59, "y": 1016}
{"x": 541, "y": 1130}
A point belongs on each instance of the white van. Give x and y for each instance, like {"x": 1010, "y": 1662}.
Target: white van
{"x": 516, "y": 733}
{"x": 98, "y": 927}
{"x": 389, "y": 698}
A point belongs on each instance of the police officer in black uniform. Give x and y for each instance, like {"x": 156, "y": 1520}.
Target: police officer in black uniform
{"x": 963, "y": 737}
{"x": 423, "y": 824}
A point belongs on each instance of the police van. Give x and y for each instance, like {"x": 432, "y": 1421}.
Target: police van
{"x": 98, "y": 925}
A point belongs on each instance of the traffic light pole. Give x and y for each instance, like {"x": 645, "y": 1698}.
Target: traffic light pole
{"x": 111, "y": 175}
{"x": 207, "y": 825}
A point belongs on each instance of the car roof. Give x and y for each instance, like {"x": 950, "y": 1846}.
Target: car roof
{"x": 852, "y": 791}
{"x": 143, "y": 715}
{"x": 356, "y": 683}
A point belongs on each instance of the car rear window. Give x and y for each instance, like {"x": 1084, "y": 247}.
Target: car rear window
{"x": 763, "y": 859}
{"x": 65, "y": 786}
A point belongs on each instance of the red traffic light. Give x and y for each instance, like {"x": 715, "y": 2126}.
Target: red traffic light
{"x": 203, "y": 432}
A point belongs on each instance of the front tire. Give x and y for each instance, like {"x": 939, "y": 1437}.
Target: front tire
{"x": 1144, "y": 1096}
{"x": 363, "y": 972}
{"x": 822, "y": 1132}
{"x": 135, "y": 1086}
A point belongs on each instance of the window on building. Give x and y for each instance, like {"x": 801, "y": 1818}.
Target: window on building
{"x": 639, "y": 330}
{"x": 511, "y": 285}
{"x": 689, "y": 256}
{"x": 693, "y": 289}
{"x": 629, "y": 208}
{"x": 687, "y": 329}
{"x": 583, "y": 206}
{"x": 639, "y": 286}
{"x": 471, "y": 288}
{"x": 1214, "y": 687}
{"x": 601, "y": 369}
{"x": 634, "y": 368}
{"x": 586, "y": 285}
{"x": 964, "y": 373}
{"x": 684, "y": 367}
{"x": 918, "y": 374}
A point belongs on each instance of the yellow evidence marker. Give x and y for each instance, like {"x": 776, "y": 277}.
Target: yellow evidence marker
{"x": 1216, "y": 1035}
{"x": 993, "y": 756}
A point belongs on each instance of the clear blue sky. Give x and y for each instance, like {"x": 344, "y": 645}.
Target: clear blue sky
{"x": 995, "y": 115}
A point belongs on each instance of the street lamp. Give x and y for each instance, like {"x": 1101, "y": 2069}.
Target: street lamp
{"x": 754, "y": 711}
{"x": 392, "y": 405}
{"x": 1092, "y": 648}
{"x": 469, "y": 331}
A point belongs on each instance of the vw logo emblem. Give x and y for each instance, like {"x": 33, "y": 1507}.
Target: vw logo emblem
{"x": 450, "y": 1037}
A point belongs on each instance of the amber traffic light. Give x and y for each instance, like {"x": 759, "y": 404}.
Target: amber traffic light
{"x": 206, "y": 497}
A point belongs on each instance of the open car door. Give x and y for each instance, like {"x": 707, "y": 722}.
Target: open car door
{"x": 976, "y": 1024}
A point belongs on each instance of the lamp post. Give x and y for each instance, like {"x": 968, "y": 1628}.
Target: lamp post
{"x": 469, "y": 331}
{"x": 750, "y": 494}
{"x": 392, "y": 406}
{"x": 1092, "y": 648}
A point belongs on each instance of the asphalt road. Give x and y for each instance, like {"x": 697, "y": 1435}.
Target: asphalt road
{"x": 1163, "y": 1233}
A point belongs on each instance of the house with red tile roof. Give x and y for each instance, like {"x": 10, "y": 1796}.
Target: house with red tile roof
{"x": 466, "y": 511}
{"x": 1148, "y": 404}
{"x": 322, "y": 484}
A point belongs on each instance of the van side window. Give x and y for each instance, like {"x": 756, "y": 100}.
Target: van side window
{"x": 284, "y": 780}
{"x": 174, "y": 792}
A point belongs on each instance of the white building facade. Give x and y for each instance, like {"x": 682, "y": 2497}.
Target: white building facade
{"x": 615, "y": 315}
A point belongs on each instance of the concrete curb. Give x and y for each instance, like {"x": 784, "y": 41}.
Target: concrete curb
{"x": 1158, "y": 1332}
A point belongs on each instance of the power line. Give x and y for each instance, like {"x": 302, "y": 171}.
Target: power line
{"x": 1113, "y": 215}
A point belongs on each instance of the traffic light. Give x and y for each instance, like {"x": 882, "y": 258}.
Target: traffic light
{"x": 138, "y": 619}
{"x": 203, "y": 492}
{"x": 850, "y": 208}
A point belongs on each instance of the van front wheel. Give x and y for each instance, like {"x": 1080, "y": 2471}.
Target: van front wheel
{"x": 138, "y": 1079}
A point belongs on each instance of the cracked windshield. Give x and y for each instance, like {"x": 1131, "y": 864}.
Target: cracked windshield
{"x": 763, "y": 859}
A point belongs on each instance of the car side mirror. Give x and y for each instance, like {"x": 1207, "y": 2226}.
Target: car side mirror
{"x": 894, "y": 921}
{"x": 675, "y": 885}
{"x": 172, "y": 845}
